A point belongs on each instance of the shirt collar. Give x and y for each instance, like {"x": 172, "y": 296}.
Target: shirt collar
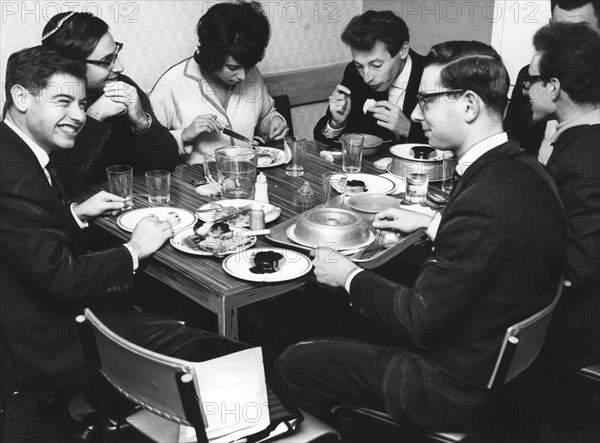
{"x": 589, "y": 118}
{"x": 40, "y": 154}
{"x": 402, "y": 79}
{"x": 478, "y": 149}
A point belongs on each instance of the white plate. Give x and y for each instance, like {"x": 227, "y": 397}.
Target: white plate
{"x": 277, "y": 157}
{"x": 375, "y": 184}
{"x": 177, "y": 242}
{"x": 129, "y": 220}
{"x": 271, "y": 211}
{"x": 352, "y": 248}
{"x": 296, "y": 265}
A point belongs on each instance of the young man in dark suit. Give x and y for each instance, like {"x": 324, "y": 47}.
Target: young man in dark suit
{"x": 566, "y": 75}
{"x": 518, "y": 121}
{"x": 46, "y": 274}
{"x": 492, "y": 264}
{"x": 378, "y": 91}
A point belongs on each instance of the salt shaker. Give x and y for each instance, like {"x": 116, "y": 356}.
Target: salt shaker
{"x": 261, "y": 192}
{"x": 305, "y": 196}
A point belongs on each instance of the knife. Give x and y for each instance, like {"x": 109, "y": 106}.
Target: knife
{"x": 240, "y": 211}
{"x": 234, "y": 134}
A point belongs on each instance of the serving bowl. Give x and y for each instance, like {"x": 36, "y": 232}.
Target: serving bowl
{"x": 367, "y": 205}
{"x": 371, "y": 145}
{"x": 406, "y": 160}
{"x": 331, "y": 225}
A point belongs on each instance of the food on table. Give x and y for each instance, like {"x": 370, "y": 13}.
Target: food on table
{"x": 369, "y": 103}
{"x": 218, "y": 238}
{"x": 383, "y": 163}
{"x": 267, "y": 262}
{"x": 171, "y": 217}
{"x": 424, "y": 152}
{"x": 356, "y": 186}
{"x": 264, "y": 159}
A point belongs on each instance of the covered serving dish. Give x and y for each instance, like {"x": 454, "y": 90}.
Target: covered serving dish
{"x": 331, "y": 225}
{"x": 411, "y": 157}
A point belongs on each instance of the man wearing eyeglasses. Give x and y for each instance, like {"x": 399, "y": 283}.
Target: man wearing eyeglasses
{"x": 492, "y": 264}
{"x": 566, "y": 74}
{"x": 377, "y": 93}
{"x": 121, "y": 127}
{"x": 518, "y": 121}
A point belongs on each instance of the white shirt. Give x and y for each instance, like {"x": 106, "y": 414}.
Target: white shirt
{"x": 397, "y": 91}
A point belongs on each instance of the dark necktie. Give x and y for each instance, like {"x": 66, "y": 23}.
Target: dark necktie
{"x": 56, "y": 182}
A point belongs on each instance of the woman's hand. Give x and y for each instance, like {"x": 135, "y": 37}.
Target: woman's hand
{"x": 278, "y": 128}
{"x": 202, "y": 123}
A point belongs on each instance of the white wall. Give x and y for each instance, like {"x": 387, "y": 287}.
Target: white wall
{"x": 515, "y": 23}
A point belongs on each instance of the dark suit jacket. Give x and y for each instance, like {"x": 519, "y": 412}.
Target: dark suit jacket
{"x": 575, "y": 168}
{"x": 367, "y": 124}
{"x": 45, "y": 274}
{"x": 112, "y": 142}
{"x": 518, "y": 121}
{"x": 493, "y": 264}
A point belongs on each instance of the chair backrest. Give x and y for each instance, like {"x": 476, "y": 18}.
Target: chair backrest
{"x": 282, "y": 105}
{"x": 161, "y": 384}
{"x": 523, "y": 342}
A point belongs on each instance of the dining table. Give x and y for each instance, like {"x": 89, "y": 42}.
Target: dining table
{"x": 202, "y": 278}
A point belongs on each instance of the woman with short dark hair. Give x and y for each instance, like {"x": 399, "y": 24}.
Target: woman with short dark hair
{"x": 220, "y": 85}
{"x": 121, "y": 127}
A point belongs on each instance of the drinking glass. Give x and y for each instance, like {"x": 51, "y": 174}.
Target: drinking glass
{"x": 416, "y": 187}
{"x": 120, "y": 180}
{"x": 448, "y": 166}
{"x": 158, "y": 186}
{"x": 297, "y": 148}
{"x": 352, "y": 149}
{"x": 334, "y": 187}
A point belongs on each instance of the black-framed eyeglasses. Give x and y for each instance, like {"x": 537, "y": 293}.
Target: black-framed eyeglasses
{"x": 528, "y": 80}
{"x": 424, "y": 99}
{"x": 112, "y": 59}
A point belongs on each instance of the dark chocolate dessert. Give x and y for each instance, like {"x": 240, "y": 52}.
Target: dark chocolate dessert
{"x": 356, "y": 186}
{"x": 267, "y": 262}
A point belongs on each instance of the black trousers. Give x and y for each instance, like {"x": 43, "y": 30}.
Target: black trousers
{"x": 325, "y": 373}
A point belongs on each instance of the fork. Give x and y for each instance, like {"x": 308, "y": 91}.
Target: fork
{"x": 377, "y": 243}
{"x": 189, "y": 242}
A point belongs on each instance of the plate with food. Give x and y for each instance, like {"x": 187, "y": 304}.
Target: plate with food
{"x": 359, "y": 183}
{"x": 213, "y": 239}
{"x": 222, "y": 208}
{"x": 270, "y": 157}
{"x": 267, "y": 264}
{"x": 179, "y": 218}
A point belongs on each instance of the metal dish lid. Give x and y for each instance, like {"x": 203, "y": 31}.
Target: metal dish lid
{"x": 406, "y": 151}
{"x": 333, "y": 217}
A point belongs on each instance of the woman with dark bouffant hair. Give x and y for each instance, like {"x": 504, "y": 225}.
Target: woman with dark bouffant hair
{"x": 121, "y": 127}
{"x": 220, "y": 85}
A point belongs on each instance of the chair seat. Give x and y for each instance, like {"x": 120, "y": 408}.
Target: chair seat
{"x": 159, "y": 429}
{"x": 377, "y": 421}
{"x": 592, "y": 372}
